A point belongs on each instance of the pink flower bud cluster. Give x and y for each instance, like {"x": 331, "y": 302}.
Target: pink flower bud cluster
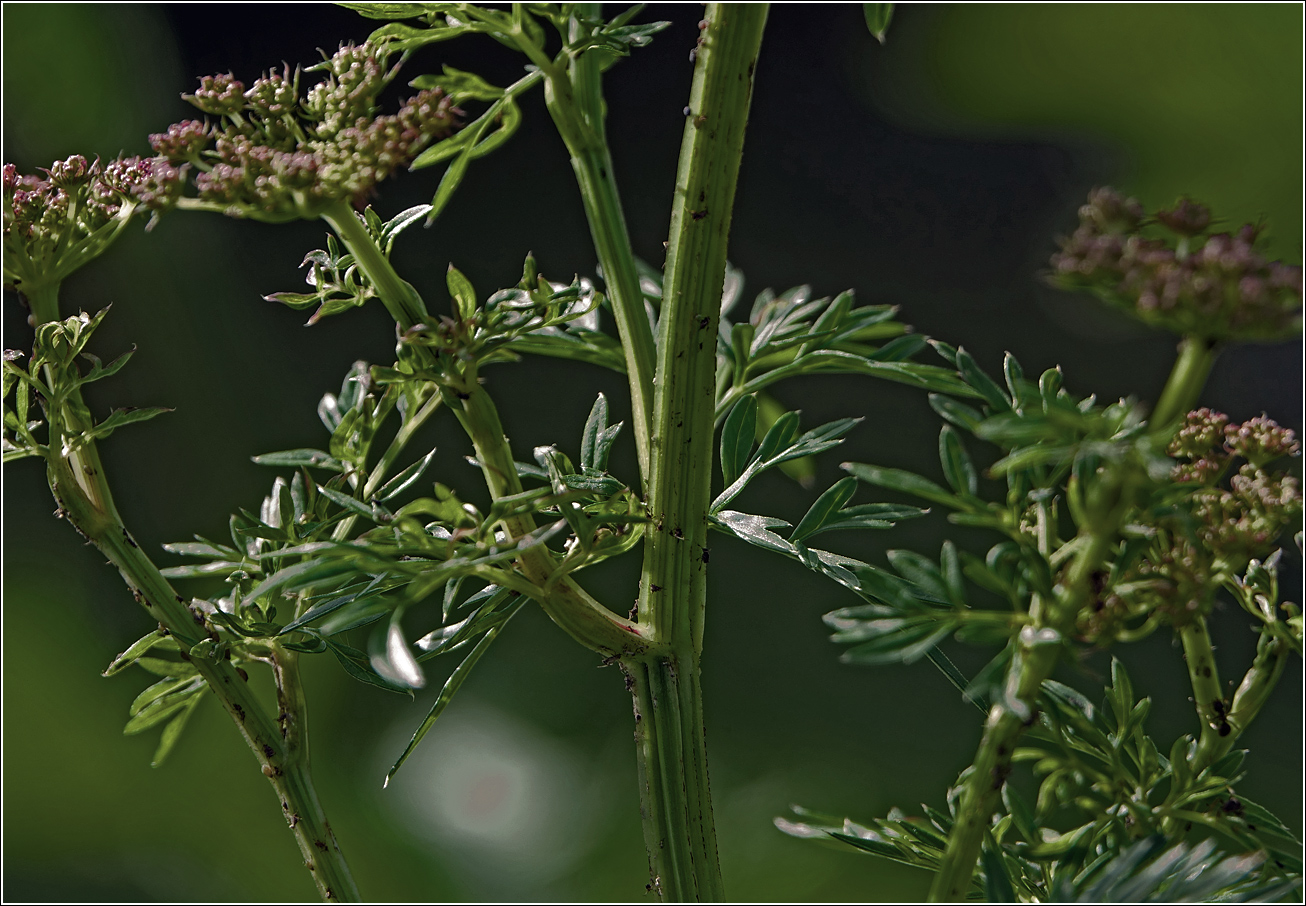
{"x": 273, "y": 156}
{"x": 1207, "y": 441}
{"x": 1213, "y": 530}
{"x": 45, "y": 217}
{"x": 1260, "y": 440}
{"x": 1247, "y": 518}
{"x": 1219, "y": 287}
{"x": 356, "y": 76}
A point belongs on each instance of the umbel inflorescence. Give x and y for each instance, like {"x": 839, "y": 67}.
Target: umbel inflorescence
{"x": 1217, "y": 518}
{"x": 54, "y": 224}
{"x": 267, "y": 154}
{"x": 1168, "y": 272}
{"x": 271, "y": 154}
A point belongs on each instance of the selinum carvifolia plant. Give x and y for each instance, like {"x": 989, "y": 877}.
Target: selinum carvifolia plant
{"x": 1115, "y": 522}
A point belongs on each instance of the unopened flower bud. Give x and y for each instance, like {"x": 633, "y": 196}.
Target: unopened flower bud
{"x": 1200, "y": 471}
{"x": 273, "y": 94}
{"x": 1221, "y": 288}
{"x": 1187, "y": 217}
{"x": 1202, "y": 431}
{"x": 182, "y": 141}
{"x": 219, "y": 95}
{"x": 1111, "y": 212}
{"x": 74, "y": 171}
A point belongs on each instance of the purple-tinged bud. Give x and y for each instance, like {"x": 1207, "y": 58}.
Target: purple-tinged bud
{"x": 295, "y": 169}
{"x": 219, "y": 95}
{"x": 1111, "y": 212}
{"x": 153, "y": 182}
{"x": 430, "y": 112}
{"x": 1286, "y": 276}
{"x": 1223, "y": 288}
{"x": 1199, "y": 471}
{"x": 1187, "y": 217}
{"x": 221, "y": 184}
{"x": 161, "y": 184}
{"x": 182, "y": 141}
{"x": 73, "y": 172}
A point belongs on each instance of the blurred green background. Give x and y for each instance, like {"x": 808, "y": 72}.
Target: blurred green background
{"x": 932, "y": 173}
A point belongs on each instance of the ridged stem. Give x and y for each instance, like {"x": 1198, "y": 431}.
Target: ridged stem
{"x": 1208, "y": 696}
{"x": 679, "y": 828}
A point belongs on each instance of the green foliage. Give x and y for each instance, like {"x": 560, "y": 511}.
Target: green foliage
{"x": 878, "y": 16}
{"x": 1080, "y": 477}
{"x": 54, "y": 378}
{"x": 1110, "y": 525}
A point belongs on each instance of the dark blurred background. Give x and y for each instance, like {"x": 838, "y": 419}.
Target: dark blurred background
{"x": 932, "y": 173}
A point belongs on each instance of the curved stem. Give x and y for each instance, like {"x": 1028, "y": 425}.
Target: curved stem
{"x": 81, "y": 490}
{"x": 1223, "y": 722}
{"x": 566, "y": 603}
{"x": 679, "y": 828}
{"x": 1271, "y": 658}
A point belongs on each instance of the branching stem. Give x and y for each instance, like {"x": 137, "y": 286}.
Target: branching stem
{"x": 566, "y": 603}
{"x": 82, "y": 492}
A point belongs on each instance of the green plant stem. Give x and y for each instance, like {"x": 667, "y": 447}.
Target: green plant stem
{"x": 1040, "y": 642}
{"x": 1037, "y": 649}
{"x": 398, "y": 296}
{"x": 679, "y": 828}
{"x": 575, "y": 101}
{"x": 566, "y": 603}
{"x": 1187, "y": 378}
{"x": 1223, "y": 722}
{"x": 81, "y": 490}
{"x": 1208, "y": 696}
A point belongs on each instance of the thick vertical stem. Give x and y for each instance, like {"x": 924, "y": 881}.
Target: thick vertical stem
{"x": 679, "y": 828}
{"x": 81, "y": 490}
